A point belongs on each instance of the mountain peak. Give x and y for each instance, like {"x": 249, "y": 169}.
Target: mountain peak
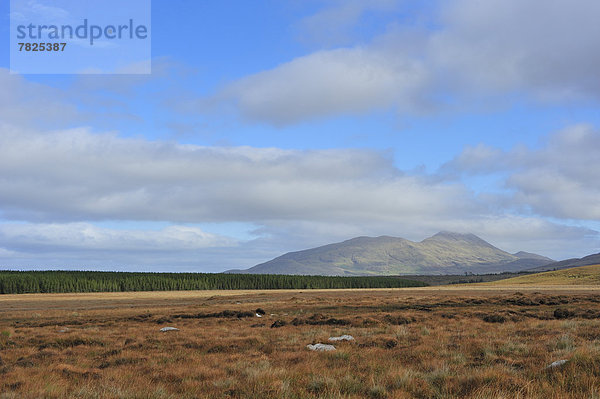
{"x": 451, "y": 235}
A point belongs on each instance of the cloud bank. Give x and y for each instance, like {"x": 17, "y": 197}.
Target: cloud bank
{"x": 55, "y": 180}
{"x": 77, "y": 175}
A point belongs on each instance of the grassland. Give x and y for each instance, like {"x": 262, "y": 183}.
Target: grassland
{"x": 577, "y": 276}
{"x": 410, "y": 343}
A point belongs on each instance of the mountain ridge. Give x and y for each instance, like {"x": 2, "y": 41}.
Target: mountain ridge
{"x": 443, "y": 253}
{"x": 593, "y": 259}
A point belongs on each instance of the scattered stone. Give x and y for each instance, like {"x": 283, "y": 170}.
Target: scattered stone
{"x": 165, "y": 329}
{"x": 260, "y": 311}
{"x": 321, "y": 347}
{"x": 557, "y": 363}
{"x": 342, "y": 338}
{"x": 258, "y": 315}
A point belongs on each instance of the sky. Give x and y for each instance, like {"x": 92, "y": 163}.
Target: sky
{"x": 278, "y": 125}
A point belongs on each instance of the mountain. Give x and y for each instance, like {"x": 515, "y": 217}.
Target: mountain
{"x": 565, "y": 264}
{"x": 443, "y": 253}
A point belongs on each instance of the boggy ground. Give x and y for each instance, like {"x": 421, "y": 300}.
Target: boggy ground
{"x": 409, "y": 344}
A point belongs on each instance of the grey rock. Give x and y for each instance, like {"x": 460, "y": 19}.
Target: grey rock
{"x": 557, "y": 363}
{"x": 342, "y": 338}
{"x": 321, "y": 347}
{"x": 165, "y": 329}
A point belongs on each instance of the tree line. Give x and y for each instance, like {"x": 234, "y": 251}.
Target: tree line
{"x": 20, "y": 282}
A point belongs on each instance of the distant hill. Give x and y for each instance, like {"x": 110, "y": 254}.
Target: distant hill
{"x": 565, "y": 264}
{"x": 582, "y": 275}
{"x": 443, "y": 253}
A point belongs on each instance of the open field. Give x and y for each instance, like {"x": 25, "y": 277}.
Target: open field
{"x": 577, "y": 276}
{"x": 436, "y": 342}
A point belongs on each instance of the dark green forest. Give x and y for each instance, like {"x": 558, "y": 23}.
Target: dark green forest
{"x": 20, "y": 282}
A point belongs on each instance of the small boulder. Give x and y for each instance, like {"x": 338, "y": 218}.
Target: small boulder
{"x": 258, "y": 315}
{"x": 342, "y": 338}
{"x": 260, "y": 311}
{"x": 165, "y": 329}
{"x": 321, "y": 347}
{"x": 558, "y": 363}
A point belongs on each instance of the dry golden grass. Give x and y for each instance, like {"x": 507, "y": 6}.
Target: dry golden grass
{"x": 410, "y": 343}
{"x": 587, "y": 276}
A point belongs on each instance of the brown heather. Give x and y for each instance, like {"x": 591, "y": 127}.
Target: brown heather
{"x": 410, "y": 343}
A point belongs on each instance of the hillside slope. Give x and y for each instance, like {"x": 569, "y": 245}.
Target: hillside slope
{"x": 582, "y": 275}
{"x": 443, "y": 253}
{"x": 569, "y": 263}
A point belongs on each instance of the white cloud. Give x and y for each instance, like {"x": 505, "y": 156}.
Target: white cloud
{"x": 545, "y": 48}
{"x": 26, "y": 11}
{"x": 27, "y": 104}
{"x": 558, "y": 180}
{"x": 338, "y": 23}
{"x": 477, "y": 52}
{"x": 5, "y": 253}
{"x": 85, "y": 245}
{"x": 355, "y": 80}
{"x": 85, "y": 236}
{"x": 77, "y": 175}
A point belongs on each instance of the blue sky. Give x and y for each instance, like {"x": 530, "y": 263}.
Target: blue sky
{"x": 271, "y": 126}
